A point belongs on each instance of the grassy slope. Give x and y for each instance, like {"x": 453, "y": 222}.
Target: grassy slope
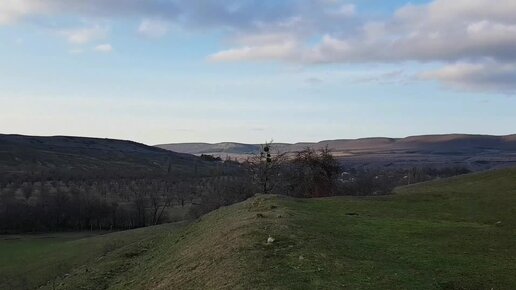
{"x": 439, "y": 235}
{"x": 27, "y": 261}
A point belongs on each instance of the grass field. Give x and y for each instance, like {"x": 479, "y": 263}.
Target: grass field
{"x": 29, "y": 261}
{"x": 458, "y": 233}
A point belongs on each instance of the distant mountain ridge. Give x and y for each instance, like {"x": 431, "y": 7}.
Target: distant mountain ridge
{"x": 474, "y": 151}
{"x": 201, "y": 148}
{"x": 507, "y": 142}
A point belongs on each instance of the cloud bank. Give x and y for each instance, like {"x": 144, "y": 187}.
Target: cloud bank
{"x": 473, "y": 40}
{"x": 477, "y": 77}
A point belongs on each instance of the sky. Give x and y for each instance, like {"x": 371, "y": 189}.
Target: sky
{"x": 166, "y": 71}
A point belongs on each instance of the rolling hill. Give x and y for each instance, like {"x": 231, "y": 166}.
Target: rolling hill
{"x": 78, "y": 156}
{"x": 456, "y": 233}
{"x": 476, "y": 152}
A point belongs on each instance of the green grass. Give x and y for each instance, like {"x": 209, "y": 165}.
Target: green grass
{"x": 18, "y": 254}
{"x": 29, "y": 261}
{"x": 458, "y": 233}
{"x": 453, "y": 234}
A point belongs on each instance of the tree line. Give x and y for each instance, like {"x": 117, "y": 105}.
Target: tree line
{"x": 107, "y": 203}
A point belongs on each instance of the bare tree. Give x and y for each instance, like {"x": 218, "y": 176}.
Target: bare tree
{"x": 312, "y": 173}
{"x": 265, "y": 167}
{"x": 160, "y": 199}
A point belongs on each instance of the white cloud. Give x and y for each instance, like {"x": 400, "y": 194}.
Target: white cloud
{"x": 85, "y": 35}
{"x": 489, "y": 76}
{"x": 12, "y": 10}
{"x": 439, "y": 31}
{"x": 389, "y": 77}
{"x": 266, "y": 51}
{"x": 103, "y": 48}
{"x": 442, "y": 30}
{"x": 477, "y": 38}
{"x": 15, "y": 10}
{"x": 153, "y": 28}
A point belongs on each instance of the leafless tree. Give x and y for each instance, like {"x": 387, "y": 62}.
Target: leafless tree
{"x": 265, "y": 167}
{"x": 312, "y": 173}
{"x": 161, "y": 198}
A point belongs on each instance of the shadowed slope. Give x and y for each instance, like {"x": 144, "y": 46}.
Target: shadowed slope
{"x": 81, "y": 156}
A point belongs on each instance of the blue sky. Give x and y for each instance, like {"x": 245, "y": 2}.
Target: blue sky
{"x": 248, "y": 71}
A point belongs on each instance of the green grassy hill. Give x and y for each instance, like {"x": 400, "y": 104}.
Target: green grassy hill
{"x": 458, "y": 233}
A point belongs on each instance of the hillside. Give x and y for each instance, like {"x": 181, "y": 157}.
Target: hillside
{"x": 450, "y": 234}
{"x": 72, "y": 184}
{"x": 476, "y": 152}
{"x": 78, "y": 156}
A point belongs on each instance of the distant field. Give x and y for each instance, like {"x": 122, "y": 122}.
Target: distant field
{"x": 458, "y": 233}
